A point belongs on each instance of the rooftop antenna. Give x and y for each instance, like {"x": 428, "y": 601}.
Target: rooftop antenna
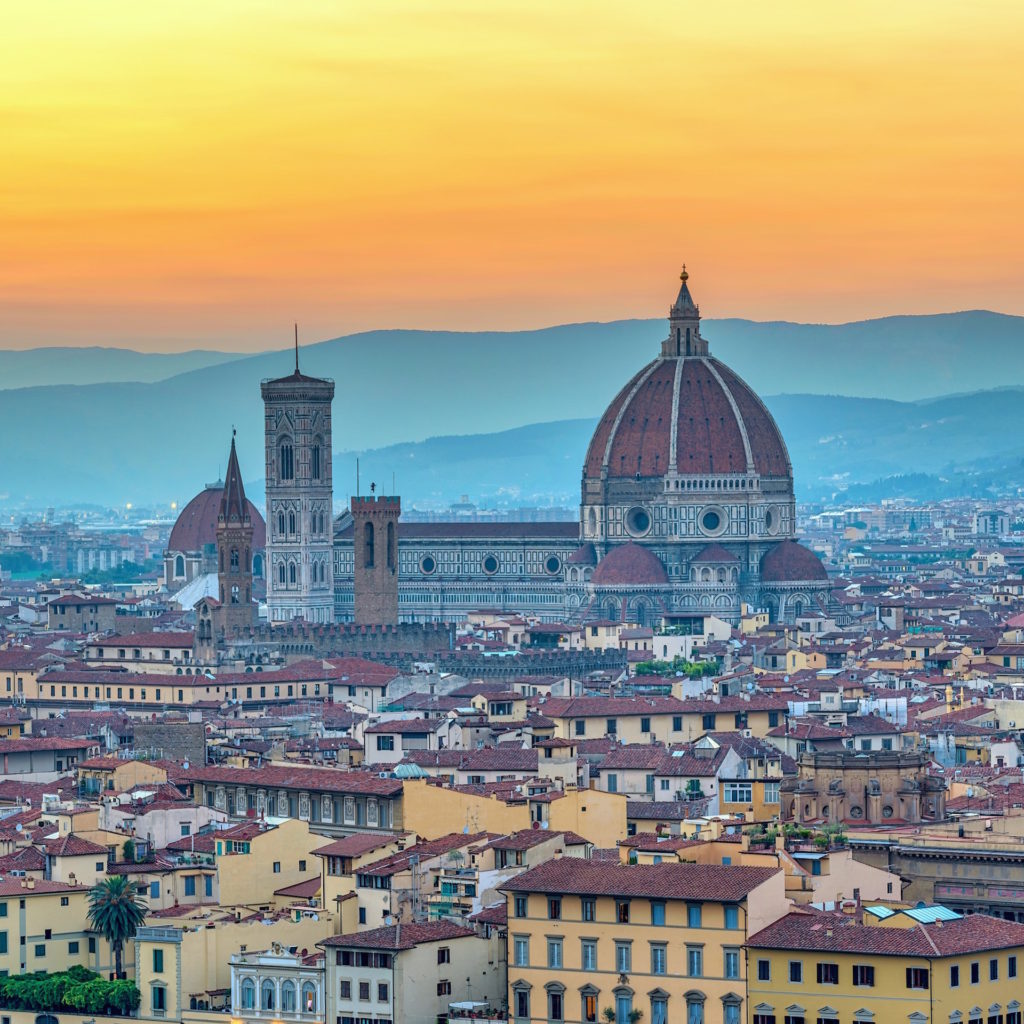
{"x": 296, "y": 350}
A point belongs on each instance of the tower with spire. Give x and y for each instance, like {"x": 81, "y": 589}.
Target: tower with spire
{"x": 234, "y": 552}
{"x": 300, "y": 496}
{"x": 684, "y": 324}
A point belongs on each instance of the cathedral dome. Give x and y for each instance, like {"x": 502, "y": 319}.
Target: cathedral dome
{"x": 689, "y": 415}
{"x": 196, "y": 525}
{"x": 629, "y": 565}
{"x": 686, "y": 413}
{"x": 790, "y": 562}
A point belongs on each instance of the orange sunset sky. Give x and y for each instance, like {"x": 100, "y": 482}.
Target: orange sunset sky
{"x": 201, "y": 174}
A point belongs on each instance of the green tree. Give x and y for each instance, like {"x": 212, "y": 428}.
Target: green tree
{"x": 116, "y": 912}
{"x": 128, "y": 851}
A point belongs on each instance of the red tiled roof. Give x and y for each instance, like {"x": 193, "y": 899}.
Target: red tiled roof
{"x": 355, "y": 845}
{"x": 572, "y": 875}
{"x": 72, "y": 846}
{"x": 839, "y": 933}
{"x": 33, "y": 743}
{"x": 398, "y": 937}
{"x": 329, "y": 780}
{"x": 304, "y": 890}
{"x": 14, "y": 887}
{"x": 432, "y": 848}
{"x": 166, "y": 639}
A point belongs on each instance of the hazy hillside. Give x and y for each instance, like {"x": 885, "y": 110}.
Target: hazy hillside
{"x": 161, "y": 441}
{"x": 48, "y": 366}
{"x": 954, "y": 445}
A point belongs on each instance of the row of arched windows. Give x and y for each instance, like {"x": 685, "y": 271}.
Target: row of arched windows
{"x": 269, "y": 995}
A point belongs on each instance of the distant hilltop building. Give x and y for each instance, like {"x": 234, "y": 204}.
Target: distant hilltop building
{"x": 687, "y": 508}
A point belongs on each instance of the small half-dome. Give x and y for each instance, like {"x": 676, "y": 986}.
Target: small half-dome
{"x": 715, "y": 553}
{"x": 629, "y": 565}
{"x": 583, "y": 555}
{"x": 790, "y": 562}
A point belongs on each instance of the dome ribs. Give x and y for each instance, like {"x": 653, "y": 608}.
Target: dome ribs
{"x": 766, "y": 445}
{"x": 709, "y": 439}
{"x": 641, "y": 443}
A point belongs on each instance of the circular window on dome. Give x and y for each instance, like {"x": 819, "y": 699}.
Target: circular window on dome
{"x": 490, "y": 565}
{"x": 772, "y": 520}
{"x": 428, "y": 565}
{"x": 638, "y": 521}
{"x": 553, "y": 564}
{"x": 712, "y": 521}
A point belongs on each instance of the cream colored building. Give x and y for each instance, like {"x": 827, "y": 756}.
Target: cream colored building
{"x": 408, "y": 973}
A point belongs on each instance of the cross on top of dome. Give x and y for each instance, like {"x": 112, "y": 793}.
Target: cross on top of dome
{"x": 684, "y": 324}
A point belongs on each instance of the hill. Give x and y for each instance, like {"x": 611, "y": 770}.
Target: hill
{"x": 160, "y": 441}
{"x": 48, "y": 366}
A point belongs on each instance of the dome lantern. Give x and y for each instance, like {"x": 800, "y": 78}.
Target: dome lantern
{"x": 684, "y": 324}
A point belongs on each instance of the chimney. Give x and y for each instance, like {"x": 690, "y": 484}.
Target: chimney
{"x": 30, "y": 883}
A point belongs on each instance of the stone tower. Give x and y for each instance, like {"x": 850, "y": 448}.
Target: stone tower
{"x": 375, "y": 580}
{"x": 234, "y": 552}
{"x": 300, "y": 496}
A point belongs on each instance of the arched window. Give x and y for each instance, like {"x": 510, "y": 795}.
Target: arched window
{"x": 291, "y": 522}
{"x": 314, "y": 460}
{"x": 288, "y": 997}
{"x": 267, "y": 994}
{"x": 248, "y": 994}
{"x": 368, "y": 542}
{"x": 220, "y": 557}
{"x": 392, "y": 546}
{"x": 280, "y": 522}
{"x": 281, "y": 573}
{"x": 287, "y": 459}
{"x": 179, "y": 565}
{"x": 257, "y": 565}
{"x": 308, "y": 997}
{"x": 234, "y": 559}
{"x": 291, "y": 572}
{"x": 234, "y": 594}
{"x": 592, "y": 522}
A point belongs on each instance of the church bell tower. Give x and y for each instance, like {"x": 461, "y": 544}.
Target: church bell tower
{"x": 234, "y": 552}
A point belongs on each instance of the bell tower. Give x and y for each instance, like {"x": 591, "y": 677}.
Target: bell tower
{"x": 234, "y": 552}
{"x": 300, "y": 496}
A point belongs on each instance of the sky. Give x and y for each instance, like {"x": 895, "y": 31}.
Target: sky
{"x": 203, "y": 174}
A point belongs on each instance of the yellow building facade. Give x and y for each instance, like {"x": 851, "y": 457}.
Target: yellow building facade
{"x": 920, "y": 966}
{"x": 590, "y": 942}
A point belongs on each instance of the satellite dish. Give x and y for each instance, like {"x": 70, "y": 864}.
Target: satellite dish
{"x": 18, "y": 827}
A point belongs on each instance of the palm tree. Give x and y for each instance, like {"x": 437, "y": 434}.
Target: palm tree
{"x": 116, "y": 912}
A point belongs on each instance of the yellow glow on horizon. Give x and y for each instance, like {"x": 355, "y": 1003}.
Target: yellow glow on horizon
{"x": 204, "y": 174}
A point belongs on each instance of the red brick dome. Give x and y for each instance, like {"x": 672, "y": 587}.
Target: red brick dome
{"x": 196, "y": 525}
{"x": 719, "y": 426}
{"x": 629, "y": 565}
{"x": 790, "y": 562}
